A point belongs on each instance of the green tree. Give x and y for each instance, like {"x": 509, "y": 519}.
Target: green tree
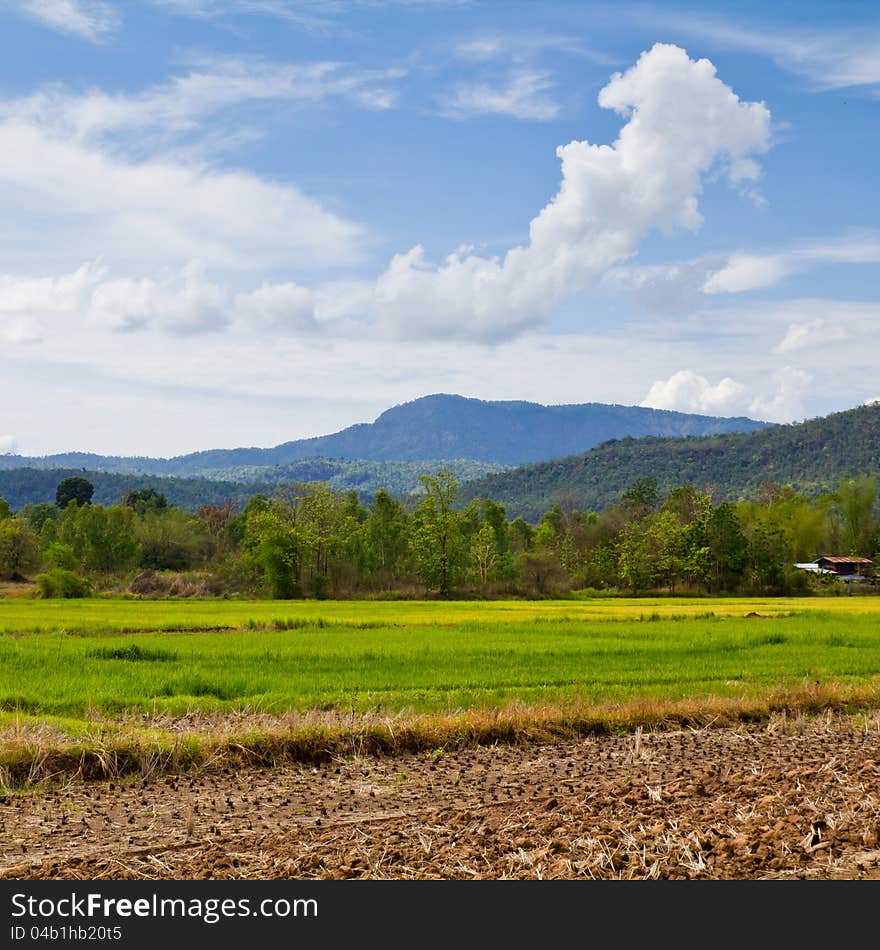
{"x": 18, "y": 547}
{"x": 272, "y": 536}
{"x": 728, "y": 547}
{"x": 438, "y": 539}
{"x": 61, "y": 556}
{"x": 484, "y": 553}
{"x": 38, "y": 513}
{"x": 385, "y": 532}
{"x": 641, "y": 497}
{"x": 636, "y": 556}
{"x": 521, "y": 535}
{"x": 74, "y": 488}
{"x": 102, "y": 539}
{"x": 145, "y": 499}
{"x": 169, "y": 539}
{"x": 854, "y": 502}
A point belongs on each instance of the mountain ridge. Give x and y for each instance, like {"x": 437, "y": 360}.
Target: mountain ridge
{"x": 436, "y": 426}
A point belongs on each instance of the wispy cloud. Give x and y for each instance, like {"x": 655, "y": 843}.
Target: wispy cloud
{"x": 91, "y": 20}
{"x": 106, "y": 167}
{"x": 830, "y": 58}
{"x": 307, "y": 14}
{"x": 685, "y": 286}
{"x": 212, "y": 85}
{"x": 523, "y": 94}
{"x": 525, "y": 47}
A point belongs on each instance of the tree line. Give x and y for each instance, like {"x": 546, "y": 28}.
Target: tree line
{"x": 310, "y": 540}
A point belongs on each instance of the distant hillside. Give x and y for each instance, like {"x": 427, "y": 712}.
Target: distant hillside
{"x": 810, "y": 456}
{"x": 21, "y": 486}
{"x": 364, "y": 476}
{"x": 433, "y": 427}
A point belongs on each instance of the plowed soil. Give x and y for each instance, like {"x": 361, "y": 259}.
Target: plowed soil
{"x": 790, "y": 798}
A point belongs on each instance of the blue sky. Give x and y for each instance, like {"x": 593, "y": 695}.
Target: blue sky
{"x": 244, "y": 222}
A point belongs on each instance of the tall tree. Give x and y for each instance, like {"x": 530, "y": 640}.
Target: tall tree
{"x": 855, "y": 500}
{"x": 74, "y": 488}
{"x": 438, "y": 540}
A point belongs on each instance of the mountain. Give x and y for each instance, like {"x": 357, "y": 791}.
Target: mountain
{"x": 811, "y": 456}
{"x": 438, "y": 427}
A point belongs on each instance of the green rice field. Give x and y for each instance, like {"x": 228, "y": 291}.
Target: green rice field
{"x": 108, "y": 658}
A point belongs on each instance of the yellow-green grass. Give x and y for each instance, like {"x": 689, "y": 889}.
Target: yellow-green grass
{"x": 104, "y": 686}
{"x": 125, "y": 614}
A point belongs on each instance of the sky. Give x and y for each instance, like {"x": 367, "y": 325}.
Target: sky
{"x": 240, "y": 223}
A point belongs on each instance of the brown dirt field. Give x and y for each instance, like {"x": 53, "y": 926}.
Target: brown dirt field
{"x": 794, "y": 797}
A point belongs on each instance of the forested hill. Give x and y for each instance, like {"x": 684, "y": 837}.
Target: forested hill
{"x": 22, "y": 486}
{"x": 433, "y": 427}
{"x": 811, "y": 456}
{"x": 25, "y": 486}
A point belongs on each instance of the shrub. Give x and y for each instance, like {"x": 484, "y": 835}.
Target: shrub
{"x": 62, "y": 583}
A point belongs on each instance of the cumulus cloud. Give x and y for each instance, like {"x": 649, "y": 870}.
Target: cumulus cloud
{"x": 55, "y": 296}
{"x": 88, "y": 19}
{"x": 185, "y": 304}
{"x": 30, "y": 306}
{"x": 278, "y": 308}
{"x": 8, "y": 445}
{"x": 688, "y": 391}
{"x": 816, "y": 332}
{"x": 784, "y": 403}
{"x": 682, "y": 123}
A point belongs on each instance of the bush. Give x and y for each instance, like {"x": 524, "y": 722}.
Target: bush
{"x": 62, "y": 583}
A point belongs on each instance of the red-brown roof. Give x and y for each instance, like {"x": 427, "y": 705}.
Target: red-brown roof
{"x": 846, "y": 560}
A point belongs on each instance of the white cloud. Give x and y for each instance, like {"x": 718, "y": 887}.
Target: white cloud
{"x": 522, "y": 95}
{"x": 88, "y": 19}
{"x": 185, "y": 304}
{"x": 785, "y": 402}
{"x": 830, "y": 58}
{"x": 137, "y": 176}
{"x": 815, "y": 332}
{"x": 181, "y": 105}
{"x": 8, "y": 445}
{"x": 688, "y": 391}
{"x": 164, "y": 211}
{"x": 682, "y": 122}
{"x": 524, "y": 47}
{"x": 284, "y": 308}
{"x": 683, "y": 286}
{"x": 743, "y": 272}
{"x": 53, "y": 296}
